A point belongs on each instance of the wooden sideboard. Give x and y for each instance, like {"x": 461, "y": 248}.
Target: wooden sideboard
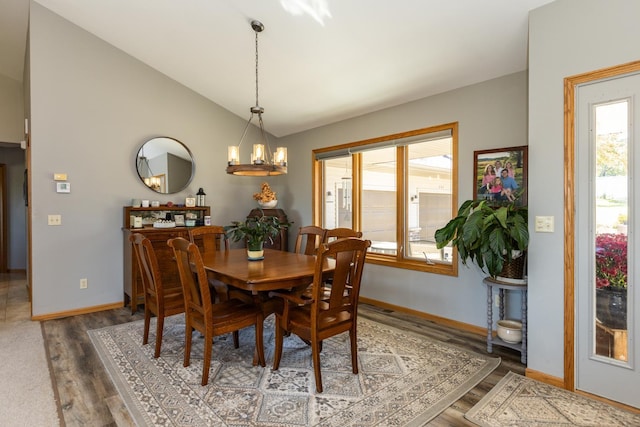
{"x": 280, "y": 242}
{"x": 133, "y": 292}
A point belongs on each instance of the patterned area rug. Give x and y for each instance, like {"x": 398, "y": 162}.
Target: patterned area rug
{"x": 520, "y": 401}
{"x": 404, "y": 379}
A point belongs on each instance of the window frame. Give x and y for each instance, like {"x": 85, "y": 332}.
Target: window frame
{"x": 398, "y": 260}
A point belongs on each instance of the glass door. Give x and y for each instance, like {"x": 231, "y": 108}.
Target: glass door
{"x": 606, "y": 351}
{"x": 611, "y": 146}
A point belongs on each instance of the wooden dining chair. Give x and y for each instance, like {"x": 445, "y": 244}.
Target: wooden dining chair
{"x": 314, "y": 317}
{"x": 308, "y": 239}
{"x": 158, "y": 300}
{"x": 203, "y": 314}
{"x": 340, "y": 233}
{"x": 212, "y": 239}
{"x": 209, "y": 238}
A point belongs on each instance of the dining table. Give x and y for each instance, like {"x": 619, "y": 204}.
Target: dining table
{"x": 278, "y": 270}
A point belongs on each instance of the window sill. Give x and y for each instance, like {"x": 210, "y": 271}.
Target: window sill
{"x": 436, "y": 267}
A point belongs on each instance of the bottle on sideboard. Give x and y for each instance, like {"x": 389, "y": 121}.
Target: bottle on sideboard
{"x": 200, "y": 197}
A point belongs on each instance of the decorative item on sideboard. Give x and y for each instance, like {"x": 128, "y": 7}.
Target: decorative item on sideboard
{"x": 266, "y": 198}
{"x": 146, "y": 217}
{"x": 200, "y": 197}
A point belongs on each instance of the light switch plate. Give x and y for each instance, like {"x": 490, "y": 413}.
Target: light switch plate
{"x": 544, "y": 224}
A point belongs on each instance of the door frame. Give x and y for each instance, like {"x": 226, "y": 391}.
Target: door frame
{"x": 570, "y": 84}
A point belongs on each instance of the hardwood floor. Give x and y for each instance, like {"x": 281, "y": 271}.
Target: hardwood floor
{"x": 85, "y": 391}
{"x": 88, "y": 397}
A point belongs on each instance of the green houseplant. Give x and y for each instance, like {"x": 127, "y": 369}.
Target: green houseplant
{"x": 489, "y": 235}
{"x": 255, "y": 230}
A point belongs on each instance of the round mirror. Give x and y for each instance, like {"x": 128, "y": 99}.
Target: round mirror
{"x": 165, "y": 165}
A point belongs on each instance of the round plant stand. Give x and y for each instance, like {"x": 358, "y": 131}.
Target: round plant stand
{"x": 502, "y": 288}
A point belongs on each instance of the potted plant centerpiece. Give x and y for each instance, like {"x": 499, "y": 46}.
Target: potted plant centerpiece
{"x": 494, "y": 237}
{"x": 255, "y": 230}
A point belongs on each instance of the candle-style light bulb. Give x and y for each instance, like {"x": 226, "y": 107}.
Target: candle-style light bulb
{"x": 281, "y": 156}
{"x": 258, "y": 154}
{"x": 233, "y": 155}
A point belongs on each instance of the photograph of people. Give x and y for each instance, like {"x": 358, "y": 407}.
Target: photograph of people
{"x": 509, "y": 166}
{"x": 498, "y": 167}
{"x": 495, "y": 187}
{"x": 508, "y": 182}
{"x": 487, "y": 178}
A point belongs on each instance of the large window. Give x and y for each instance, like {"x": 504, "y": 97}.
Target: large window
{"x": 398, "y": 190}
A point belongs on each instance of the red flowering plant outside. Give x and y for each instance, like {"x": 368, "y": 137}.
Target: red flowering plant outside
{"x": 611, "y": 261}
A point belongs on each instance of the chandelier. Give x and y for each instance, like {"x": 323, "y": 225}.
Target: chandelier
{"x": 144, "y": 170}
{"x": 263, "y": 162}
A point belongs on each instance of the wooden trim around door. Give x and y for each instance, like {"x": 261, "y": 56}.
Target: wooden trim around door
{"x": 570, "y": 84}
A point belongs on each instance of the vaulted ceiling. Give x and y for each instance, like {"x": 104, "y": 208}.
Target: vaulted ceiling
{"x": 320, "y": 61}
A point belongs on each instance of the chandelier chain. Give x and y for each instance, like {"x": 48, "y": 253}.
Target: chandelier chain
{"x": 257, "y": 103}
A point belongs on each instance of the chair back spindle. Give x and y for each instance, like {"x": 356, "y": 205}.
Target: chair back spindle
{"x": 309, "y": 239}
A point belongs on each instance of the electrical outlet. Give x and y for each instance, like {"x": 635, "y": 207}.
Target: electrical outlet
{"x": 496, "y": 300}
{"x": 84, "y": 283}
{"x": 54, "y": 220}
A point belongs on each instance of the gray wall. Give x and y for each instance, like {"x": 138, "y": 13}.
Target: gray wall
{"x": 566, "y": 38}
{"x": 92, "y": 106}
{"x": 11, "y": 110}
